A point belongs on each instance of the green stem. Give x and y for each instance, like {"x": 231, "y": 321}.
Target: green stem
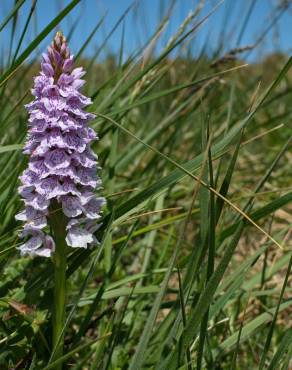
{"x": 58, "y": 225}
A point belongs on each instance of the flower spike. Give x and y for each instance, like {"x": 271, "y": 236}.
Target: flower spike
{"x": 62, "y": 167}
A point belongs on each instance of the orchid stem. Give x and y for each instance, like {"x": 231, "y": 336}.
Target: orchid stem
{"x": 58, "y": 224}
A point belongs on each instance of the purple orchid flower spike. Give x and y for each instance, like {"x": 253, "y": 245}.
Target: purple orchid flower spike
{"x": 62, "y": 168}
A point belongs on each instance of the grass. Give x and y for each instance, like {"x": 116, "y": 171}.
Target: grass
{"x": 193, "y": 267}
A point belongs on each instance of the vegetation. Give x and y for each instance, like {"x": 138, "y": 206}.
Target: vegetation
{"x": 192, "y": 271}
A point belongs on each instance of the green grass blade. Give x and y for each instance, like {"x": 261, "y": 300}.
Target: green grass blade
{"x": 18, "y": 4}
{"x": 282, "y": 348}
{"x": 10, "y": 148}
{"x": 6, "y": 75}
{"x": 273, "y": 323}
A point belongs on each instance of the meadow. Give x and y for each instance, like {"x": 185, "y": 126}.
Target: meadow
{"x": 193, "y": 266}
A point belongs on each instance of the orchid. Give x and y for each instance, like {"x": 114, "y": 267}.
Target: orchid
{"x": 62, "y": 168}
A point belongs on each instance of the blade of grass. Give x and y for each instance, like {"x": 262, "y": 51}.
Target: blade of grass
{"x": 89, "y": 38}
{"x": 184, "y": 170}
{"x": 32, "y": 8}
{"x": 10, "y": 148}
{"x": 7, "y": 74}
{"x": 18, "y": 4}
{"x": 273, "y": 323}
{"x": 280, "y": 353}
{"x": 206, "y": 297}
{"x": 73, "y": 352}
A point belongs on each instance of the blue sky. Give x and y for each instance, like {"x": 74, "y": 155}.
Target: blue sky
{"x": 142, "y": 20}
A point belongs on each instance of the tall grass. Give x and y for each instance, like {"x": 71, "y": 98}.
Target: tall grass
{"x": 193, "y": 267}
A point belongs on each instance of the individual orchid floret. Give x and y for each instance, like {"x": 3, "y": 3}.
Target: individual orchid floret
{"x": 62, "y": 168}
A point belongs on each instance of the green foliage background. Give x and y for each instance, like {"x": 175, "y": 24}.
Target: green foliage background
{"x": 192, "y": 271}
